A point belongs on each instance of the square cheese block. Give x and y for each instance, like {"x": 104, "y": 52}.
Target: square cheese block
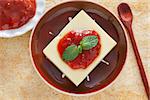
{"x": 81, "y": 21}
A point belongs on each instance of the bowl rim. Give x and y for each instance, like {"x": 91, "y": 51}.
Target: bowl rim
{"x": 40, "y": 7}
{"x": 55, "y": 87}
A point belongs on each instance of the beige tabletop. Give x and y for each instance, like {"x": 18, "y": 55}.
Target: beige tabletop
{"x": 19, "y": 80}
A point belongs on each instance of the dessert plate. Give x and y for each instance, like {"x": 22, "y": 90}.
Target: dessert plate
{"x": 49, "y": 26}
{"x": 40, "y": 7}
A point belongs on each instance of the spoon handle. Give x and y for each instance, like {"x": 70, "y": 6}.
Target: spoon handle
{"x": 139, "y": 61}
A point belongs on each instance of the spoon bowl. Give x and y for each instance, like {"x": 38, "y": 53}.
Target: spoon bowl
{"x": 125, "y": 12}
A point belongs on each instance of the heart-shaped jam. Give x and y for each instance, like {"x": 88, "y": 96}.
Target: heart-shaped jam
{"x": 84, "y": 58}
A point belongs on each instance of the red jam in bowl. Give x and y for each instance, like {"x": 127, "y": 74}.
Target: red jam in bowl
{"x": 87, "y": 56}
{"x": 16, "y": 13}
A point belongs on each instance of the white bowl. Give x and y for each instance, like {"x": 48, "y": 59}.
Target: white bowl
{"x": 40, "y": 7}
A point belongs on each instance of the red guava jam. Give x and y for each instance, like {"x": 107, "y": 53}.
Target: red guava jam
{"x": 85, "y": 58}
{"x": 16, "y": 13}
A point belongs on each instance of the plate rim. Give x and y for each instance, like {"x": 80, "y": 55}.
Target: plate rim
{"x": 53, "y": 85}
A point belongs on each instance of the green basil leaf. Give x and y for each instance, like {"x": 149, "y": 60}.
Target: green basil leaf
{"x": 89, "y": 42}
{"x": 70, "y": 53}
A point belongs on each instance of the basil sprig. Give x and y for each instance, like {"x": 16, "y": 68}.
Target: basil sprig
{"x": 72, "y": 51}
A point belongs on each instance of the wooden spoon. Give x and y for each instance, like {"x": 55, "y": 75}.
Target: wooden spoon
{"x": 126, "y": 17}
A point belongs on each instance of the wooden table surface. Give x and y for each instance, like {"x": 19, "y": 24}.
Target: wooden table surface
{"x": 19, "y": 80}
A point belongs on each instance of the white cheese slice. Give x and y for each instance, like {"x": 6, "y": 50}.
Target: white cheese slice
{"x": 81, "y": 21}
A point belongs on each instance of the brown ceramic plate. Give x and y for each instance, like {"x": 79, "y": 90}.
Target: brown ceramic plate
{"x": 54, "y": 20}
